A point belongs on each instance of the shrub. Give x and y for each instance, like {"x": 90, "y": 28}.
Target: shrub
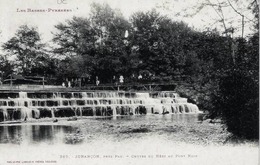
{"x": 237, "y": 101}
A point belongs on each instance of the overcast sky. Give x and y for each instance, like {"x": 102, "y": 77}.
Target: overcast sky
{"x": 45, "y": 21}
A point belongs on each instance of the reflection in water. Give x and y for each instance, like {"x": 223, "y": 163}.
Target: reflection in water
{"x": 52, "y": 134}
{"x": 18, "y": 134}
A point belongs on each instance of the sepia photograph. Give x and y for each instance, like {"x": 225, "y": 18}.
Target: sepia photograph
{"x": 129, "y": 82}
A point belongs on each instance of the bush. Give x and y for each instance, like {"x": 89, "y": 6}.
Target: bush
{"x": 237, "y": 101}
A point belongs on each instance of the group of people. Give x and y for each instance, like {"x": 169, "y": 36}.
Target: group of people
{"x": 66, "y": 84}
{"x": 71, "y": 83}
{"x": 120, "y": 80}
{"x": 83, "y": 81}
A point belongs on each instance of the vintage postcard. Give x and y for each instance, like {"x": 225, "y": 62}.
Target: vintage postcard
{"x": 171, "y": 82}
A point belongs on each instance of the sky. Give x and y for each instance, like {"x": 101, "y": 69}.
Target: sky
{"x": 11, "y": 15}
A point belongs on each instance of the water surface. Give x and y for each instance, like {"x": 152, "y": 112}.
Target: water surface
{"x": 51, "y": 134}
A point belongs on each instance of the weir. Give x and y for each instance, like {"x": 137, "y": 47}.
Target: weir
{"x": 34, "y": 105}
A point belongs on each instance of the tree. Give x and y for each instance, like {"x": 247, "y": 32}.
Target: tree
{"x": 237, "y": 98}
{"x": 6, "y": 68}
{"x": 74, "y": 40}
{"x": 27, "y": 49}
{"x": 237, "y": 103}
{"x": 161, "y": 44}
{"x": 231, "y": 17}
{"x": 254, "y": 7}
{"x": 98, "y": 41}
{"x": 228, "y": 23}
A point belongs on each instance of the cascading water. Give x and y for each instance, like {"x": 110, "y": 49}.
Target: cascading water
{"x": 105, "y": 103}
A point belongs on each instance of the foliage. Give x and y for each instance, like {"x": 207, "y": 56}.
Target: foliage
{"x": 97, "y": 43}
{"x": 30, "y": 56}
{"x": 162, "y": 46}
{"x": 6, "y": 68}
{"x": 237, "y": 103}
{"x": 73, "y": 43}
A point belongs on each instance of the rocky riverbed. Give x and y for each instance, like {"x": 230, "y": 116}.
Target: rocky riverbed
{"x": 163, "y": 127}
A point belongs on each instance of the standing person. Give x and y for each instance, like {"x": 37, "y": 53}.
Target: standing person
{"x": 121, "y": 79}
{"x": 114, "y": 80}
{"x": 140, "y": 78}
{"x": 97, "y": 81}
{"x": 133, "y": 76}
{"x": 66, "y": 82}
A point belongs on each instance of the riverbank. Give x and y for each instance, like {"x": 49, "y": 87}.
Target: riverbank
{"x": 199, "y": 133}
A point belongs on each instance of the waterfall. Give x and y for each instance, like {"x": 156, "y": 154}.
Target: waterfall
{"x": 98, "y": 103}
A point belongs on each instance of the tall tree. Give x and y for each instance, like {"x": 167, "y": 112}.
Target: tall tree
{"x": 75, "y": 40}
{"x": 112, "y": 48}
{"x": 97, "y": 40}
{"x": 27, "y": 49}
{"x": 162, "y": 44}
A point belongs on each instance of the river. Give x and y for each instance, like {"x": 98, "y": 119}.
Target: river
{"x": 140, "y": 139}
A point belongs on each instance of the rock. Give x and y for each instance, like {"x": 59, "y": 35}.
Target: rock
{"x": 74, "y": 118}
{"x": 216, "y": 121}
{"x": 207, "y": 120}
